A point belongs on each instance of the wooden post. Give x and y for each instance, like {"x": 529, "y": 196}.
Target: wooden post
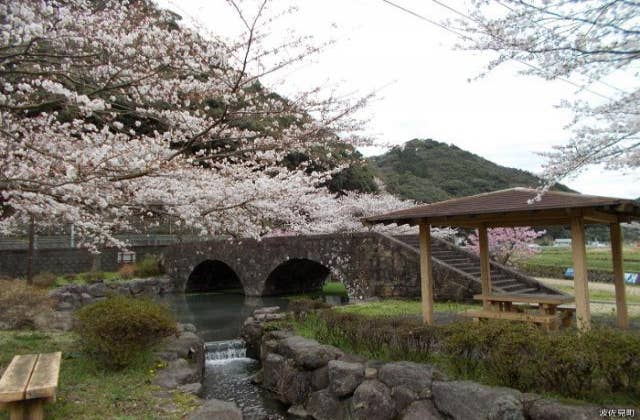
{"x": 618, "y": 275}
{"x": 580, "y": 277}
{"x": 16, "y": 411}
{"x": 426, "y": 273}
{"x": 35, "y": 409}
{"x": 485, "y": 265}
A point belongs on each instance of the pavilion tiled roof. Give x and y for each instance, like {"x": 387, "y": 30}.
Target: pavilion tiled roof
{"x": 520, "y": 202}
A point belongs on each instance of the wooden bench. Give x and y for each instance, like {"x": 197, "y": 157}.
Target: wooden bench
{"x": 29, "y": 381}
{"x": 548, "y": 321}
{"x": 513, "y": 307}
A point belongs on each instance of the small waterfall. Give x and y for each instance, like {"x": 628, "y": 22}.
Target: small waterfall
{"x": 219, "y": 351}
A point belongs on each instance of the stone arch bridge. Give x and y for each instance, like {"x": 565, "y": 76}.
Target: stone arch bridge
{"x": 368, "y": 264}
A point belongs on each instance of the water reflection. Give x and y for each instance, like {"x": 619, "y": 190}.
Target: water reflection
{"x": 218, "y": 316}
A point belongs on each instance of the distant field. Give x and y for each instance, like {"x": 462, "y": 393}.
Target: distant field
{"x": 597, "y": 258}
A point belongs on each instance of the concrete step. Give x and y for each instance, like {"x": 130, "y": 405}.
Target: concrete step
{"x": 459, "y": 259}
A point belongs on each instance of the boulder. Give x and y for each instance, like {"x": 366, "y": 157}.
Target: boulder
{"x": 165, "y": 285}
{"x": 98, "y": 290}
{"x": 85, "y": 299}
{"x": 256, "y": 378}
{"x": 322, "y": 405}
{"x": 216, "y": 409}
{"x": 353, "y": 358}
{"x": 294, "y": 385}
{"x": 308, "y": 354}
{"x": 137, "y": 286}
{"x": 64, "y": 306}
{"x": 320, "y": 378}
{"x": 538, "y": 408}
{"x": 421, "y": 410}
{"x": 297, "y": 411}
{"x": 272, "y": 365}
{"x": 187, "y": 346}
{"x": 149, "y": 290}
{"x": 344, "y": 377}
{"x": 251, "y": 333}
{"x": 280, "y": 375}
{"x": 194, "y": 388}
{"x": 414, "y": 376}
{"x": 166, "y": 356}
{"x": 466, "y": 400}
{"x": 372, "y": 401}
{"x": 182, "y": 328}
{"x": 370, "y": 373}
{"x": 51, "y": 320}
{"x": 403, "y": 396}
{"x": 278, "y": 335}
{"x": 179, "y": 372}
{"x": 267, "y": 347}
{"x": 269, "y": 317}
{"x": 267, "y": 310}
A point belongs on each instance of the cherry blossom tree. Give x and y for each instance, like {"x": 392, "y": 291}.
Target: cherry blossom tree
{"x": 592, "y": 40}
{"x": 112, "y": 111}
{"x": 507, "y": 244}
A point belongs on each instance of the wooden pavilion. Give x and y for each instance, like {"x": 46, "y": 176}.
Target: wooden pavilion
{"x": 519, "y": 207}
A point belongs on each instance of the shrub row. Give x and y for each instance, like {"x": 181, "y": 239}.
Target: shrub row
{"x": 604, "y": 361}
{"x": 568, "y": 363}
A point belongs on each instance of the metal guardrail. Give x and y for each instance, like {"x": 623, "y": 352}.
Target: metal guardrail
{"x": 65, "y": 242}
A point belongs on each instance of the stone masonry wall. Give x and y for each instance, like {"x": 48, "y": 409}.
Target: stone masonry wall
{"x": 13, "y": 263}
{"x": 74, "y": 296}
{"x": 322, "y": 382}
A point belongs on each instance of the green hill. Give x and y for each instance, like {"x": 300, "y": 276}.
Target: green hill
{"x": 429, "y": 171}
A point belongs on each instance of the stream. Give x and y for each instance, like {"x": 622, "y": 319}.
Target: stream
{"x": 218, "y": 318}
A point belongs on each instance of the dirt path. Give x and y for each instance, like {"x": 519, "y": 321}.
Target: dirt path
{"x": 599, "y": 307}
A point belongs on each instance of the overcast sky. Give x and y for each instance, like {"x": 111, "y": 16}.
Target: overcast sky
{"x": 423, "y": 83}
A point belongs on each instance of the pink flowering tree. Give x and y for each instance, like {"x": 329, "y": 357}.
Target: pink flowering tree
{"x": 112, "y": 112}
{"x": 507, "y": 244}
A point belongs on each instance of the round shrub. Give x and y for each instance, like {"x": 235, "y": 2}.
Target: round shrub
{"x": 116, "y": 330}
{"x": 150, "y": 265}
{"x": 127, "y": 271}
{"x": 20, "y": 303}
{"x": 44, "y": 280}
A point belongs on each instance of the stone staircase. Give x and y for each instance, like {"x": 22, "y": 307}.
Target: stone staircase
{"x": 504, "y": 280}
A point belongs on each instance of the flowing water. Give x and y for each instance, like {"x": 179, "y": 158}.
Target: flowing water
{"x": 218, "y": 318}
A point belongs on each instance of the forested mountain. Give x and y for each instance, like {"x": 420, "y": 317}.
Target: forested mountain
{"x": 429, "y": 171}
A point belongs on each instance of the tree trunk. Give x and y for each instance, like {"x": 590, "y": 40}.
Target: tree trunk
{"x": 30, "y": 251}
{"x": 96, "y": 262}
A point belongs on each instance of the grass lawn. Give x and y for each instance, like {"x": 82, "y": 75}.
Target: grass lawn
{"x": 86, "y": 391}
{"x": 597, "y": 258}
{"x": 334, "y": 288}
{"x": 602, "y": 295}
{"x": 400, "y": 308}
{"x": 82, "y": 278}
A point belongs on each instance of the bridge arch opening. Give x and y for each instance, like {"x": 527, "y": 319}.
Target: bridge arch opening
{"x": 297, "y": 275}
{"x": 211, "y": 276}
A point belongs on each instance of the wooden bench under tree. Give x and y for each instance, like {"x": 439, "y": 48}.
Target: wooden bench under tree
{"x": 29, "y": 381}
